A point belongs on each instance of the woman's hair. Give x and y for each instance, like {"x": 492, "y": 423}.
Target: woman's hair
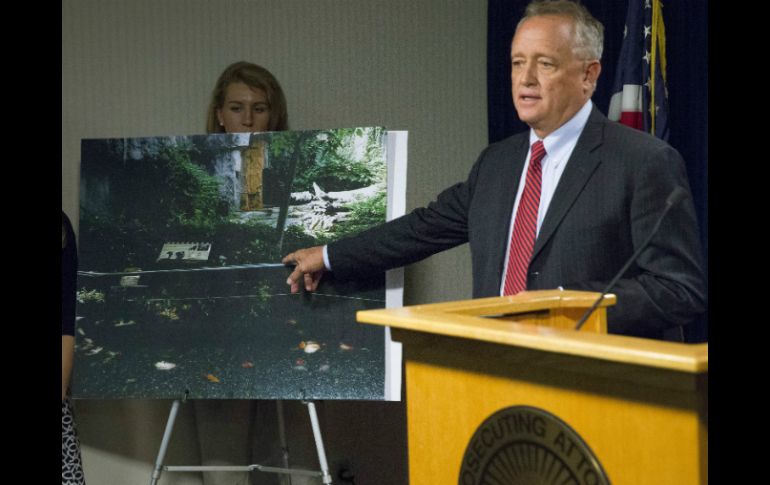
{"x": 256, "y": 77}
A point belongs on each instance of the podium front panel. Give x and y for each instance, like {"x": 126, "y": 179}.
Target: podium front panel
{"x": 644, "y": 425}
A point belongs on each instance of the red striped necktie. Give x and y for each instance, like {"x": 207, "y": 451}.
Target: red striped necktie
{"x": 525, "y": 225}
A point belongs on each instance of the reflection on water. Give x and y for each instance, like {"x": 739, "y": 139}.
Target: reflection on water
{"x": 246, "y": 338}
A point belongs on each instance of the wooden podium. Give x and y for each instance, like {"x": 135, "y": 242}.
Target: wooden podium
{"x": 502, "y": 390}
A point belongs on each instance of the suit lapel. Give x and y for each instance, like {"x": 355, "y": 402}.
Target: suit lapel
{"x": 582, "y": 163}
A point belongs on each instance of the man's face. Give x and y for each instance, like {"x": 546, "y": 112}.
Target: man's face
{"x": 549, "y": 83}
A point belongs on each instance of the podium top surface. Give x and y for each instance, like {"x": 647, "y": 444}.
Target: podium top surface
{"x": 470, "y": 319}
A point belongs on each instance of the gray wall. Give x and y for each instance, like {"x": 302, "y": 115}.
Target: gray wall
{"x": 146, "y": 67}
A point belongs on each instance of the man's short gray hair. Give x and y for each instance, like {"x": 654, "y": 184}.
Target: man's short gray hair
{"x": 589, "y": 32}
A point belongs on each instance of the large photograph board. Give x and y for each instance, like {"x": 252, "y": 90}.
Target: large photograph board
{"x": 181, "y": 292}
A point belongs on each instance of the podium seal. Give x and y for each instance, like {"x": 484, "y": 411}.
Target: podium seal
{"x": 524, "y": 445}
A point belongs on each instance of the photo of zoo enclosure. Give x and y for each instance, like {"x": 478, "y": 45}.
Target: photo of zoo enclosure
{"x": 180, "y": 287}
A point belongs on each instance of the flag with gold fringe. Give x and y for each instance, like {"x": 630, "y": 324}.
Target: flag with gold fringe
{"x": 640, "y": 96}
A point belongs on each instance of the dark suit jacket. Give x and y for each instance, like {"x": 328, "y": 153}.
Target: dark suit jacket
{"x": 608, "y": 199}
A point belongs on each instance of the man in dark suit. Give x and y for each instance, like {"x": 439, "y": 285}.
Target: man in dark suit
{"x": 563, "y": 205}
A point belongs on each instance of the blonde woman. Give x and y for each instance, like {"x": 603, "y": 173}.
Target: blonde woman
{"x": 246, "y": 98}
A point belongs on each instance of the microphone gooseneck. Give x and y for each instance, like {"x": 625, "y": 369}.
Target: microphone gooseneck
{"x": 676, "y": 196}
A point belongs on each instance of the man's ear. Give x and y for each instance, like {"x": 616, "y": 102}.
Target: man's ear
{"x": 592, "y": 71}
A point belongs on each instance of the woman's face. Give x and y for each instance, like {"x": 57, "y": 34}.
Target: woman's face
{"x": 245, "y": 109}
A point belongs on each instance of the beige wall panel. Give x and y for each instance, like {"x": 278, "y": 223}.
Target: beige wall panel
{"x": 146, "y": 67}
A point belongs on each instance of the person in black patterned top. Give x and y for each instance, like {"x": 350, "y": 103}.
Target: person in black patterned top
{"x": 71, "y": 464}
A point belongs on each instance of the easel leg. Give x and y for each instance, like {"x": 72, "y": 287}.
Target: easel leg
{"x": 282, "y": 440}
{"x": 164, "y": 442}
{"x": 319, "y": 444}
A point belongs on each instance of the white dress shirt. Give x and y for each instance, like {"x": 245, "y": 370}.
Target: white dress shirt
{"x": 558, "y": 148}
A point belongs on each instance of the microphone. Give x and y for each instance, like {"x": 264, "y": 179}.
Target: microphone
{"x": 676, "y": 196}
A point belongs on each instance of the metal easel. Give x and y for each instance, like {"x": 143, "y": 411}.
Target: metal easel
{"x": 326, "y": 478}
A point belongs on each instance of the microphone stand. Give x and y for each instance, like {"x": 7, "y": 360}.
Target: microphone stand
{"x": 676, "y": 195}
